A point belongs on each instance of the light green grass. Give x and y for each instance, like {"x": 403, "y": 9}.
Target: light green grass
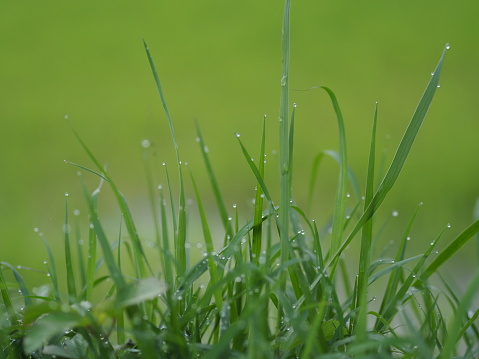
{"x": 276, "y": 286}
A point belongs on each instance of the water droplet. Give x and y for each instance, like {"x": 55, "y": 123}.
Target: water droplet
{"x": 160, "y": 187}
{"x": 432, "y": 73}
{"x": 66, "y": 228}
{"x": 448, "y": 225}
{"x": 198, "y": 139}
{"x": 448, "y": 46}
{"x": 66, "y": 117}
{"x": 36, "y": 230}
{"x": 283, "y": 81}
{"x": 408, "y": 238}
{"x": 45, "y": 262}
{"x": 206, "y": 149}
{"x": 432, "y": 243}
{"x": 348, "y": 195}
{"x": 145, "y": 143}
{"x": 237, "y": 134}
{"x": 395, "y": 213}
{"x": 163, "y": 163}
{"x": 66, "y": 194}
{"x": 76, "y": 212}
{"x": 438, "y": 85}
{"x": 294, "y": 105}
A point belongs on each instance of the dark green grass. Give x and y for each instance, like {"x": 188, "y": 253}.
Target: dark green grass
{"x": 275, "y": 286}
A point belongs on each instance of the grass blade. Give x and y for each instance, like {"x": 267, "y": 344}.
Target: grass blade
{"x": 452, "y": 248}
{"x": 214, "y": 184}
{"x": 213, "y": 270}
{"x": 72, "y": 293}
{"x": 400, "y": 156}
{"x": 181, "y": 238}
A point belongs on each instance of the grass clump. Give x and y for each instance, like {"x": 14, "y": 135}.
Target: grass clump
{"x": 274, "y": 287}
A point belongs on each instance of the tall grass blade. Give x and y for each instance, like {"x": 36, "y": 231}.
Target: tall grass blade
{"x": 284, "y": 141}
{"x": 181, "y": 239}
{"x": 72, "y": 293}
{"x": 210, "y": 255}
{"x": 258, "y": 204}
{"x": 214, "y": 184}
{"x": 339, "y": 216}
{"x": 400, "y": 156}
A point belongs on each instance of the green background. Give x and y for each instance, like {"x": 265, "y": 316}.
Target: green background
{"x": 220, "y": 64}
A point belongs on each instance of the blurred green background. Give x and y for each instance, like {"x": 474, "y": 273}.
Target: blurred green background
{"x": 220, "y": 64}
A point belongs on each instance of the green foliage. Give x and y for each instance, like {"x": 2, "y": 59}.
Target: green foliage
{"x": 270, "y": 288}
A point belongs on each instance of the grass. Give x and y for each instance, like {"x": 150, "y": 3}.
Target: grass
{"x": 276, "y": 286}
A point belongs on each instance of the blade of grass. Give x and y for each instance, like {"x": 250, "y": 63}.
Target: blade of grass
{"x": 366, "y": 239}
{"x": 258, "y": 204}
{"x": 12, "y": 316}
{"x": 214, "y": 184}
{"x": 213, "y": 270}
{"x": 181, "y": 230}
{"x": 339, "y": 216}
{"x": 284, "y": 144}
{"x": 456, "y": 326}
{"x": 22, "y": 286}
{"x": 400, "y": 156}
{"x": 391, "y": 307}
{"x": 450, "y": 250}
{"x": 140, "y": 259}
{"x": 51, "y": 268}
{"x": 72, "y": 293}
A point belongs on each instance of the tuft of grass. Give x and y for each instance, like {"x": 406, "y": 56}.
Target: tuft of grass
{"x": 272, "y": 287}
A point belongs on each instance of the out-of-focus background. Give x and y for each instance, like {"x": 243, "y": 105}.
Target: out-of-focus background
{"x": 220, "y": 65}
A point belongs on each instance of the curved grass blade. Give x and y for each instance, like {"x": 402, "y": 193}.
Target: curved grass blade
{"x": 140, "y": 258}
{"x": 400, "y": 156}
{"x": 339, "y": 216}
{"x": 22, "y": 286}
{"x": 181, "y": 239}
{"x": 12, "y": 316}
